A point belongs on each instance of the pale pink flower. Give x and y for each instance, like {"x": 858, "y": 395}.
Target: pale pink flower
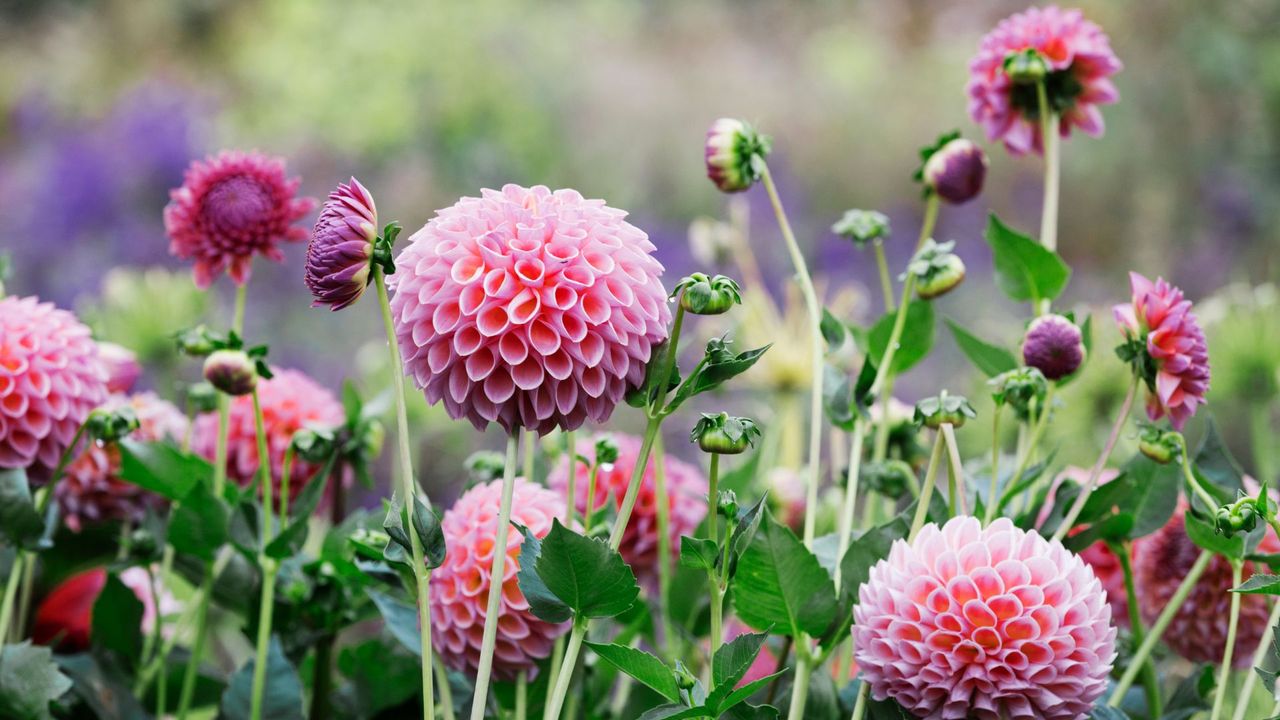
{"x": 686, "y": 498}
{"x": 529, "y": 308}
{"x": 1080, "y": 65}
{"x": 122, "y": 366}
{"x": 460, "y": 587}
{"x": 985, "y": 623}
{"x": 1161, "y": 318}
{"x": 51, "y": 378}
{"x": 92, "y": 491}
{"x": 231, "y": 207}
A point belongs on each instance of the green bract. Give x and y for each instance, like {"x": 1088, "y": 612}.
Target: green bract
{"x": 943, "y": 409}
{"x": 723, "y": 434}
{"x": 703, "y": 295}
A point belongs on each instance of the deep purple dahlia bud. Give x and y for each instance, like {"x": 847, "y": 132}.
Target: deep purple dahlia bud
{"x": 956, "y": 171}
{"x": 341, "y": 250}
{"x": 1054, "y": 346}
{"x": 731, "y": 148}
{"x": 231, "y": 371}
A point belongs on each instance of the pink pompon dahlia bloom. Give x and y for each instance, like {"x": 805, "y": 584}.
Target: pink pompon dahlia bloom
{"x": 460, "y": 587}
{"x": 686, "y": 496}
{"x": 51, "y": 378}
{"x": 291, "y": 401}
{"x": 1198, "y": 631}
{"x": 1079, "y": 62}
{"x": 340, "y": 254}
{"x": 986, "y": 623}
{"x": 1160, "y": 319}
{"x": 92, "y": 491}
{"x": 230, "y": 207}
{"x": 529, "y": 308}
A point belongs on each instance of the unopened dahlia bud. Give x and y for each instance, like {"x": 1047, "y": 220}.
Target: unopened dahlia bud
{"x": 202, "y": 398}
{"x": 955, "y": 171}
{"x": 727, "y": 505}
{"x": 1019, "y": 387}
{"x": 731, "y": 148}
{"x": 1158, "y": 444}
{"x": 199, "y": 341}
{"x": 890, "y": 478}
{"x": 937, "y": 270}
{"x": 724, "y": 435}
{"x": 231, "y": 371}
{"x": 1237, "y": 517}
{"x": 1027, "y": 67}
{"x": 862, "y": 226}
{"x": 313, "y": 444}
{"x": 109, "y": 425}
{"x": 341, "y": 251}
{"x": 944, "y": 409}
{"x": 704, "y": 295}
{"x": 485, "y": 465}
{"x": 606, "y": 450}
{"x": 1054, "y": 346}
{"x": 685, "y": 680}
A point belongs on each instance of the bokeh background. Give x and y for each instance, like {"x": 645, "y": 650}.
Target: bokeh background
{"x": 104, "y": 102}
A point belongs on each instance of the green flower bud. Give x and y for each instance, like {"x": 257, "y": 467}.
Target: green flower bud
{"x": 942, "y": 409}
{"x": 730, "y": 152}
{"x": 890, "y": 478}
{"x": 313, "y": 445}
{"x": 724, "y": 435}
{"x": 862, "y": 226}
{"x": 727, "y": 505}
{"x": 1019, "y": 388}
{"x": 937, "y": 270}
{"x": 703, "y": 295}
{"x": 685, "y": 680}
{"x": 606, "y": 450}
{"x": 231, "y": 371}
{"x": 1027, "y": 67}
{"x": 110, "y": 425}
{"x": 202, "y": 397}
{"x": 199, "y": 341}
{"x": 485, "y": 465}
{"x": 1158, "y": 444}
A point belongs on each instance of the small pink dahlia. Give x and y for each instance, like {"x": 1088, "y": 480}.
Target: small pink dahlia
{"x": 341, "y": 249}
{"x": 1080, "y": 64}
{"x": 51, "y": 378}
{"x": 529, "y": 308}
{"x": 123, "y": 369}
{"x": 231, "y": 207}
{"x": 92, "y": 490}
{"x": 290, "y": 401}
{"x": 1161, "y": 319}
{"x": 686, "y": 496}
{"x": 987, "y": 623}
{"x": 460, "y": 587}
{"x": 1198, "y": 631}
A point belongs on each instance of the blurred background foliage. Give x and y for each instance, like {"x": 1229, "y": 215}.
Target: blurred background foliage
{"x": 104, "y": 102}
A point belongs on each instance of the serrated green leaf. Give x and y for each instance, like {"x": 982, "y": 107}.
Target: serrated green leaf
{"x": 1025, "y": 269}
{"x": 116, "y": 620}
{"x": 162, "y": 468}
{"x": 19, "y": 519}
{"x": 542, "y": 602}
{"x": 990, "y": 359}
{"x": 715, "y": 373}
{"x": 1216, "y": 464}
{"x": 734, "y": 658}
{"x": 29, "y": 682}
{"x": 916, "y": 339}
{"x": 780, "y": 584}
{"x": 427, "y": 524}
{"x": 645, "y": 668}
{"x": 1260, "y": 584}
{"x": 867, "y": 550}
{"x": 740, "y": 695}
{"x": 198, "y": 526}
{"x": 699, "y": 553}
{"x": 585, "y": 573}
{"x": 1204, "y": 535}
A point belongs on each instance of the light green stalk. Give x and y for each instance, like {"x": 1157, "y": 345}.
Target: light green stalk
{"x": 1052, "y": 172}
{"x": 1070, "y": 520}
{"x": 1233, "y": 622}
{"x": 1259, "y": 657}
{"x": 268, "y": 565}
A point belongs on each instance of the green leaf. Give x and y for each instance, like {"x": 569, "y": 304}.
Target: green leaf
{"x": 1191, "y": 697}
{"x": 647, "y": 669}
{"x": 1150, "y": 495}
{"x": 198, "y": 525}
{"x": 837, "y": 397}
{"x": 740, "y": 695}
{"x": 734, "y": 658}
{"x": 29, "y": 682}
{"x": 19, "y": 519}
{"x": 990, "y": 359}
{"x": 916, "y": 340}
{"x": 282, "y": 699}
{"x": 744, "y": 530}
{"x": 427, "y": 524}
{"x": 673, "y": 712}
{"x": 699, "y": 553}
{"x": 401, "y": 619}
{"x": 382, "y": 677}
{"x": 833, "y": 331}
{"x": 105, "y": 690}
{"x": 1216, "y": 464}
{"x": 867, "y": 550}
{"x": 1106, "y": 712}
{"x": 162, "y": 468}
{"x": 720, "y": 366}
{"x": 1260, "y": 584}
{"x": 294, "y": 535}
{"x": 1204, "y": 535}
{"x": 1025, "y": 269}
{"x": 586, "y": 574}
{"x": 542, "y": 602}
{"x": 117, "y": 620}
{"x": 781, "y": 584}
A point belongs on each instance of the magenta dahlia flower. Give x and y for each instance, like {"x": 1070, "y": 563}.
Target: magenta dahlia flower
{"x": 1079, "y": 62}
{"x": 1160, "y": 320}
{"x": 92, "y": 491}
{"x": 231, "y": 207}
{"x": 341, "y": 249}
{"x": 460, "y": 587}
{"x": 686, "y": 497}
{"x": 51, "y": 378}
{"x": 1198, "y": 631}
{"x": 529, "y": 308}
{"x": 290, "y": 401}
{"x": 987, "y": 623}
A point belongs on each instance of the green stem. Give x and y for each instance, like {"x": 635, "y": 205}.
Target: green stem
{"x": 286, "y": 469}
{"x": 884, "y": 369}
{"x": 992, "y": 500}
{"x": 490, "y": 637}
{"x": 10, "y": 592}
{"x": 322, "y": 678}
{"x": 561, "y": 689}
{"x": 926, "y": 490}
{"x": 530, "y": 454}
{"x": 588, "y": 517}
{"x": 1162, "y": 623}
{"x": 815, "y": 348}
{"x": 268, "y": 565}
{"x": 955, "y": 473}
{"x": 1260, "y": 437}
{"x": 886, "y": 282}
{"x": 1150, "y": 682}
{"x": 664, "y": 542}
{"x": 860, "y": 705}
{"x": 237, "y": 317}
{"x": 850, "y": 492}
{"x": 717, "y": 593}
{"x": 1070, "y": 520}
{"x": 1237, "y": 569}
{"x": 800, "y": 688}
{"x": 1027, "y": 449}
{"x": 1192, "y": 482}
{"x": 1052, "y": 171}
{"x": 1259, "y": 657}
{"x": 522, "y": 695}
{"x": 408, "y": 489}
{"x": 446, "y": 692}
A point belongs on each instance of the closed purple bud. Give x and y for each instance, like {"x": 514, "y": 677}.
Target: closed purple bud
{"x": 341, "y": 250}
{"x": 1054, "y": 346}
{"x": 956, "y": 171}
{"x": 231, "y": 371}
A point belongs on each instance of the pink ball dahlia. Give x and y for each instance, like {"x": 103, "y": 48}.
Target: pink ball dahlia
{"x": 1198, "y": 631}
{"x": 988, "y": 623}
{"x": 92, "y": 491}
{"x": 529, "y": 308}
{"x": 51, "y": 378}
{"x": 290, "y": 401}
{"x": 686, "y": 495}
{"x": 341, "y": 249}
{"x": 231, "y": 207}
{"x": 460, "y": 587}
{"x": 1079, "y": 62}
{"x": 1160, "y": 319}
